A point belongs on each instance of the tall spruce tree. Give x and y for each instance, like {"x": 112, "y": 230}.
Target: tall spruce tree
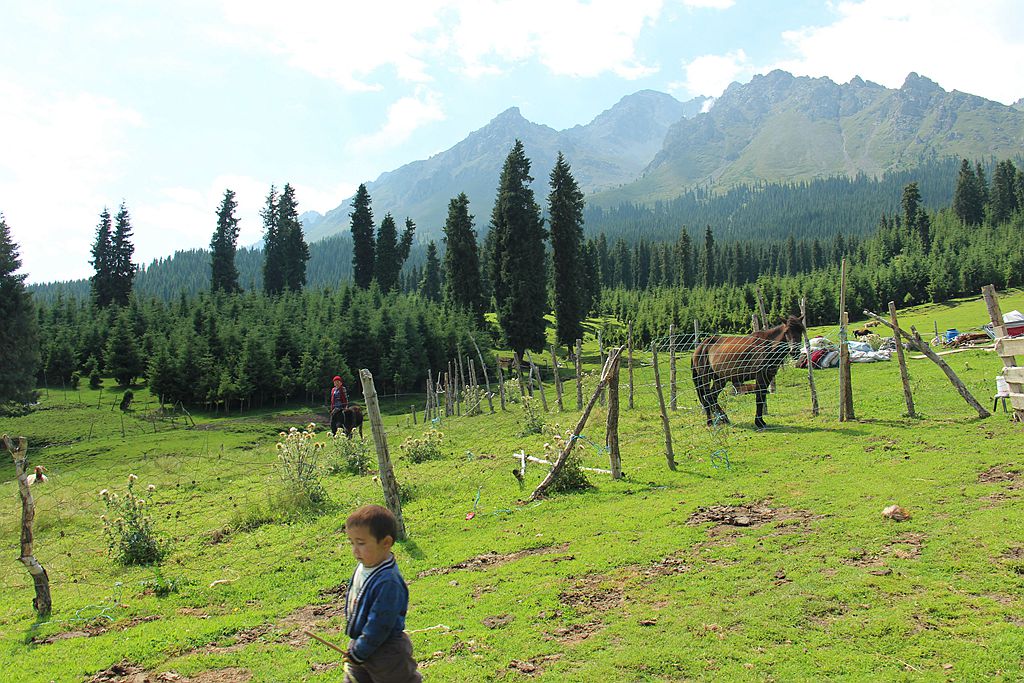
{"x": 122, "y": 269}
{"x": 1003, "y": 202}
{"x": 101, "y": 283}
{"x": 967, "y": 201}
{"x": 363, "y": 247}
{"x": 462, "y": 285}
{"x": 19, "y": 333}
{"x": 390, "y": 252}
{"x": 565, "y": 212}
{"x": 223, "y": 272}
{"x": 274, "y": 270}
{"x": 520, "y": 276}
{"x": 707, "y": 259}
{"x": 124, "y": 360}
{"x": 294, "y": 250}
{"x": 430, "y": 285}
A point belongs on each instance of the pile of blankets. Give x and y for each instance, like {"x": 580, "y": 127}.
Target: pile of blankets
{"x": 825, "y": 353}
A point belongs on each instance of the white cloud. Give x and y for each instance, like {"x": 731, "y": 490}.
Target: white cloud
{"x": 359, "y": 45}
{"x": 709, "y": 4}
{"x": 60, "y": 153}
{"x": 404, "y": 117}
{"x": 973, "y": 47}
{"x": 710, "y": 75}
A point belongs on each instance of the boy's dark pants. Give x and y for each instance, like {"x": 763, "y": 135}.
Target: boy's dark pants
{"x": 391, "y": 663}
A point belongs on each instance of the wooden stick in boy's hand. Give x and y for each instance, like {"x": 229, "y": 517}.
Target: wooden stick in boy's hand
{"x": 327, "y": 643}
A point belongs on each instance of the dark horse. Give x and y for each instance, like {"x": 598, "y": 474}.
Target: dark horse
{"x": 352, "y": 417}
{"x": 718, "y": 360}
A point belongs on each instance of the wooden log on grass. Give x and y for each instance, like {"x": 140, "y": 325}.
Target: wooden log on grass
{"x": 42, "y": 603}
{"x": 669, "y": 455}
{"x": 577, "y": 430}
{"x": 380, "y": 440}
{"x": 904, "y": 375}
{"x": 922, "y": 346}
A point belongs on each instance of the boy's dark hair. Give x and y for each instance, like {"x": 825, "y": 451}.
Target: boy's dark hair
{"x": 377, "y": 519}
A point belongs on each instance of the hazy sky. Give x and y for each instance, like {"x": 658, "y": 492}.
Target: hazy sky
{"x": 163, "y": 105}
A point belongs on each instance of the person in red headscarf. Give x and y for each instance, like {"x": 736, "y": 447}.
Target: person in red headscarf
{"x": 339, "y": 401}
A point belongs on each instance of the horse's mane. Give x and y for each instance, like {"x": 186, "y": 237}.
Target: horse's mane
{"x": 779, "y": 331}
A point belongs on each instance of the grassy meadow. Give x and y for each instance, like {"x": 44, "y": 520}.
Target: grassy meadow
{"x": 776, "y": 567}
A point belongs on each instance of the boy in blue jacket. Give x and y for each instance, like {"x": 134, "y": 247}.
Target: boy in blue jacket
{"x": 380, "y": 651}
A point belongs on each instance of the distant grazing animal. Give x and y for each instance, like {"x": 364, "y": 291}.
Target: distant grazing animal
{"x": 862, "y": 332}
{"x": 872, "y": 323}
{"x": 352, "y": 417}
{"x": 37, "y": 477}
{"x": 718, "y": 360}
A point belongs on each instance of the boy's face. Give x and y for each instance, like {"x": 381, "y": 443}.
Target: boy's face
{"x": 366, "y": 548}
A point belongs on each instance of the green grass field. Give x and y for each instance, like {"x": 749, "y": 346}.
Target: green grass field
{"x": 657, "y": 577}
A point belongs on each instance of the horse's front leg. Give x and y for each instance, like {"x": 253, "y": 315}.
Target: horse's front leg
{"x": 713, "y": 395}
{"x": 762, "y": 401}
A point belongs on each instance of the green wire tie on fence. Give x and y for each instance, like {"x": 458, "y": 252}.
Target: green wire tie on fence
{"x": 720, "y": 457}
{"x": 599, "y": 449}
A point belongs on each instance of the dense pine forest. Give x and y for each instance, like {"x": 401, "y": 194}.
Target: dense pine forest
{"x": 246, "y": 346}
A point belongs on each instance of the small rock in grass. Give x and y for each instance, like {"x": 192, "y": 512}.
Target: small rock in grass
{"x": 896, "y": 513}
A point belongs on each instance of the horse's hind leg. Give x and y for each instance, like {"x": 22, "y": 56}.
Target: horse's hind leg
{"x": 713, "y": 394}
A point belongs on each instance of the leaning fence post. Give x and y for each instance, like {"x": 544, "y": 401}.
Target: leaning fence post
{"x": 501, "y": 385}
{"x": 600, "y": 357}
{"x": 571, "y": 441}
{"x": 904, "y": 375}
{"x": 669, "y": 455}
{"x": 42, "y": 603}
{"x": 487, "y": 380}
{"x": 380, "y": 440}
{"x": 612, "y": 428}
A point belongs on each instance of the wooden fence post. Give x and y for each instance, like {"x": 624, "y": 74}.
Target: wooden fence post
{"x": 669, "y": 455}
{"x": 540, "y": 385}
{"x": 42, "y": 603}
{"x": 845, "y": 391}
{"x": 380, "y": 440}
{"x": 672, "y": 366}
{"x": 487, "y": 380}
{"x": 764, "y": 326}
{"x": 612, "y": 424}
{"x": 501, "y": 385}
{"x": 629, "y": 362}
{"x": 904, "y": 375}
{"x": 571, "y": 441}
{"x": 923, "y": 347}
{"x": 558, "y": 380}
{"x": 810, "y": 365}
{"x": 600, "y": 357}
{"x": 1006, "y": 349}
{"x": 579, "y": 374}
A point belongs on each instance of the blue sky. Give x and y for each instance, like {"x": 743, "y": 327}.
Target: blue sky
{"x": 164, "y": 105}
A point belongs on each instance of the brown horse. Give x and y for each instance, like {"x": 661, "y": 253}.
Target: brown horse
{"x": 756, "y": 356}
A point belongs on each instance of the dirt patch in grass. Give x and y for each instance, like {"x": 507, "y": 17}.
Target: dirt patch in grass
{"x": 291, "y": 626}
{"x": 95, "y": 629}
{"x": 126, "y": 672}
{"x": 754, "y": 514}
{"x": 1014, "y": 553}
{"x": 491, "y": 559}
{"x": 532, "y": 666}
{"x": 594, "y": 593}
{"x": 575, "y": 633}
{"x": 999, "y": 473}
{"x": 906, "y": 546}
{"x": 498, "y": 621}
{"x": 673, "y": 564}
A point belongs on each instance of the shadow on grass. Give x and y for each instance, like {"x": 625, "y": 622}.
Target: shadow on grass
{"x": 412, "y": 548}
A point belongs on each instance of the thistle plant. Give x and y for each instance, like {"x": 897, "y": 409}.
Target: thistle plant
{"x": 298, "y": 457}
{"x": 132, "y": 538}
{"x": 533, "y": 420}
{"x": 348, "y": 455}
{"x": 427, "y": 447}
{"x": 572, "y": 477}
